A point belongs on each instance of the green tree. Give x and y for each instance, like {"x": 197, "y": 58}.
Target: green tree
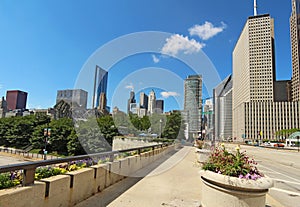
{"x": 174, "y": 127}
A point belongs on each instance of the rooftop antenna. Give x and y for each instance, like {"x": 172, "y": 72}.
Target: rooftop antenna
{"x": 255, "y": 8}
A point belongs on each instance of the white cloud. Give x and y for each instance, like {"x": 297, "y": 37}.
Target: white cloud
{"x": 130, "y": 86}
{"x": 207, "y": 30}
{"x": 177, "y": 43}
{"x": 155, "y": 59}
{"x": 167, "y": 94}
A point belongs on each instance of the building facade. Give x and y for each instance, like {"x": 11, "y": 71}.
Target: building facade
{"x": 193, "y": 104}
{"x": 131, "y": 100}
{"x": 100, "y": 85}
{"x": 77, "y": 98}
{"x": 223, "y": 110}
{"x": 151, "y": 102}
{"x": 143, "y": 101}
{"x": 253, "y": 68}
{"x": 16, "y": 99}
{"x": 295, "y": 45}
{"x": 159, "y": 106}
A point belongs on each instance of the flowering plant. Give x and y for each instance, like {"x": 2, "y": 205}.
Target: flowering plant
{"x": 232, "y": 164}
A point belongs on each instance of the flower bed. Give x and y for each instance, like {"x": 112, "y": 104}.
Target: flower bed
{"x": 232, "y": 164}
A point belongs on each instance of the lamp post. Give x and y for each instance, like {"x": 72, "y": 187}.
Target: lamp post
{"x": 160, "y": 128}
{"x": 47, "y": 133}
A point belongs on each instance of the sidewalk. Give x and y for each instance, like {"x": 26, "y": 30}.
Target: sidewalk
{"x": 173, "y": 181}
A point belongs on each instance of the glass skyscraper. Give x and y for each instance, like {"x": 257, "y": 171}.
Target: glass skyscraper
{"x": 100, "y": 83}
{"x": 193, "y": 104}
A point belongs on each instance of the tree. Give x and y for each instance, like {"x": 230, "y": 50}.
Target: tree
{"x": 174, "y": 127}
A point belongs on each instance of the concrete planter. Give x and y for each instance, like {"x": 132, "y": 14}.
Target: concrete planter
{"x": 227, "y": 191}
{"x": 202, "y": 155}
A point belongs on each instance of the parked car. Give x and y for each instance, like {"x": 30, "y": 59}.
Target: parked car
{"x": 278, "y": 145}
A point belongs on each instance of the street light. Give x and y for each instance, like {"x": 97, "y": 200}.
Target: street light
{"x": 47, "y": 133}
{"x": 160, "y": 128}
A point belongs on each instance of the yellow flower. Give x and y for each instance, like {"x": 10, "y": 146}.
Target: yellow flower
{"x": 223, "y": 145}
{"x": 237, "y": 148}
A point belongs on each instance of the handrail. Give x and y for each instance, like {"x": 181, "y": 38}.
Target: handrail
{"x": 30, "y": 167}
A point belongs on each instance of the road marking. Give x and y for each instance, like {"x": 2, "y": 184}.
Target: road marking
{"x": 285, "y": 181}
{"x": 282, "y": 174}
{"x": 290, "y": 193}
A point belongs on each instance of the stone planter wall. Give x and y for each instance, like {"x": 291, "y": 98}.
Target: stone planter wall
{"x": 226, "y": 191}
{"x": 71, "y": 188}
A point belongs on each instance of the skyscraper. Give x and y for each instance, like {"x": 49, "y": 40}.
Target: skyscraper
{"x": 16, "y": 99}
{"x": 100, "y": 85}
{"x": 193, "y": 104}
{"x": 295, "y": 45}
{"x": 253, "y": 67}
{"x": 151, "y": 102}
{"x": 131, "y": 100}
{"x": 258, "y": 111}
{"x": 143, "y": 101}
{"x": 159, "y": 108}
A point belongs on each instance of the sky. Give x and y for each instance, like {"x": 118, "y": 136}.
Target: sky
{"x": 53, "y": 45}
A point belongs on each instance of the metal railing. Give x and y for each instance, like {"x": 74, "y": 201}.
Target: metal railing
{"x": 29, "y": 168}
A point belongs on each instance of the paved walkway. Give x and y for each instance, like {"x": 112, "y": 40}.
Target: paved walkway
{"x": 172, "y": 181}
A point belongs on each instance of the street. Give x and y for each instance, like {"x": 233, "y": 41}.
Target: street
{"x": 281, "y": 165}
{"x": 6, "y": 160}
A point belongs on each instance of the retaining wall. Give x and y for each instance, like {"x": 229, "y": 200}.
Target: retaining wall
{"x": 71, "y": 188}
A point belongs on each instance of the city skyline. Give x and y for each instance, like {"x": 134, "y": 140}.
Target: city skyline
{"x": 47, "y": 56}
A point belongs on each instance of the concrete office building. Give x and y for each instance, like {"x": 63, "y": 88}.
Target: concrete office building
{"x": 260, "y": 104}
{"x": 77, "y": 98}
{"x": 223, "y": 110}
{"x": 193, "y": 105}
{"x": 16, "y": 99}
{"x": 151, "y": 102}
{"x": 295, "y": 45}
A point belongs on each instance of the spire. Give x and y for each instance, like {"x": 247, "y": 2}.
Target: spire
{"x": 255, "y": 8}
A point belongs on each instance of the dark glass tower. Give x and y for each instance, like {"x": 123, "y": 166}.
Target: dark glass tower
{"x": 100, "y": 83}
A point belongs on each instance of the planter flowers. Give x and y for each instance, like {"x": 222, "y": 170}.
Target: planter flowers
{"x": 233, "y": 179}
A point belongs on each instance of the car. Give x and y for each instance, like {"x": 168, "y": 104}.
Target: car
{"x": 278, "y": 145}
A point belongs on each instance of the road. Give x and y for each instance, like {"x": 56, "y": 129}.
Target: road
{"x": 7, "y": 160}
{"x": 281, "y": 165}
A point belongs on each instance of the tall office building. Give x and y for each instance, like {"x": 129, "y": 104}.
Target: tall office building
{"x": 223, "y": 110}
{"x": 131, "y": 100}
{"x": 260, "y": 104}
{"x": 193, "y": 104}
{"x": 159, "y": 108}
{"x": 151, "y": 102}
{"x": 74, "y": 97}
{"x": 100, "y": 85}
{"x": 143, "y": 101}
{"x": 253, "y": 67}
{"x": 16, "y": 99}
{"x": 295, "y": 45}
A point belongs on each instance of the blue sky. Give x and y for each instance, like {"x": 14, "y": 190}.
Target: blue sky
{"x": 45, "y": 45}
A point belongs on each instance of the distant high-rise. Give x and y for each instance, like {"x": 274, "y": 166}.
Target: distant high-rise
{"x": 143, "y": 101}
{"x": 295, "y": 45}
{"x": 131, "y": 100}
{"x": 16, "y": 99}
{"x": 151, "y": 102}
{"x": 193, "y": 104}
{"x": 159, "y": 106}
{"x": 100, "y": 85}
{"x": 74, "y": 97}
